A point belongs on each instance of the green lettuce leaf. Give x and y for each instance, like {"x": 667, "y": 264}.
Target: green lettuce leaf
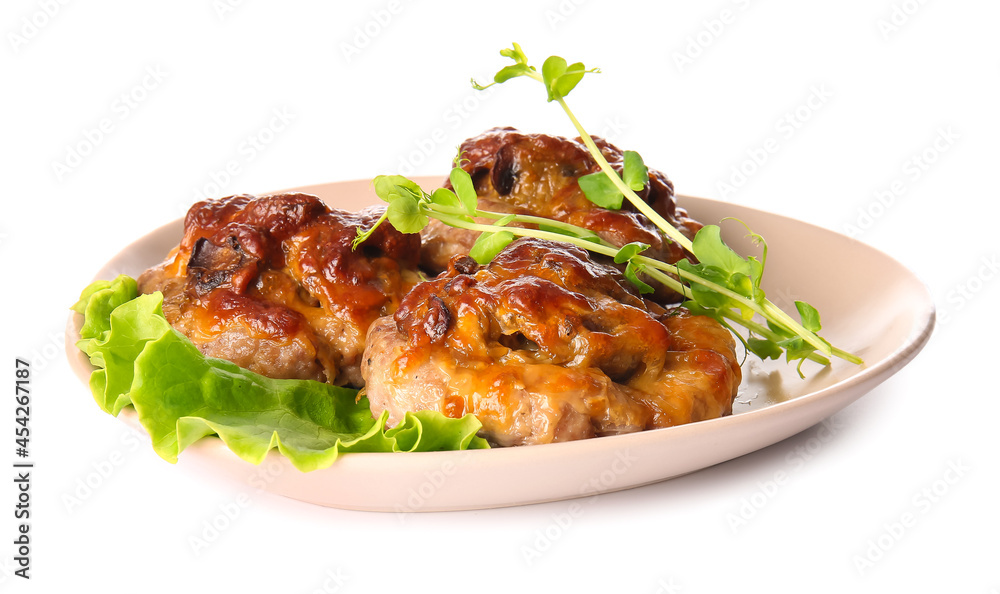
{"x": 117, "y": 325}
{"x": 181, "y": 395}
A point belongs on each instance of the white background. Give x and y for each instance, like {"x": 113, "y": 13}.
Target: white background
{"x": 381, "y": 87}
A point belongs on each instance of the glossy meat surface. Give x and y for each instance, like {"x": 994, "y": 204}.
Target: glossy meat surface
{"x": 545, "y": 345}
{"x": 271, "y": 284}
{"x": 537, "y": 174}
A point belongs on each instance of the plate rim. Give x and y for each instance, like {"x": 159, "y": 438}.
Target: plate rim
{"x": 848, "y": 389}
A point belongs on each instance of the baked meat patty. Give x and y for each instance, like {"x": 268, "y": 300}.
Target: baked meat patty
{"x": 271, "y": 283}
{"x": 544, "y": 345}
{"x": 537, "y": 174}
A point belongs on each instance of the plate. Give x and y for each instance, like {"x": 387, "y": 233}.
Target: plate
{"x": 837, "y": 274}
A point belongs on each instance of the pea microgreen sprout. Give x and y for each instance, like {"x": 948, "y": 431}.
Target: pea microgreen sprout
{"x": 410, "y": 209}
{"x": 559, "y": 79}
{"x": 720, "y": 284}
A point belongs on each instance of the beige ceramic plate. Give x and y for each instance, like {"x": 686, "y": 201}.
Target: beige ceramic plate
{"x": 836, "y": 274}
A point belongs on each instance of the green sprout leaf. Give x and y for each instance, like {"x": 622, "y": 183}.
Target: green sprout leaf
{"x": 720, "y": 264}
{"x": 446, "y": 197}
{"x": 515, "y": 53}
{"x": 779, "y": 330}
{"x": 389, "y": 184}
{"x": 519, "y": 68}
{"x": 405, "y": 213}
{"x": 693, "y": 307}
{"x": 489, "y": 245}
{"x": 629, "y": 250}
{"x": 702, "y": 295}
{"x": 464, "y": 188}
{"x": 599, "y": 189}
{"x": 578, "y": 233}
{"x": 553, "y": 68}
{"x": 508, "y": 72}
{"x": 632, "y": 271}
{"x": 559, "y": 78}
{"x": 809, "y": 315}
{"x": 635, "y": 174}
{"x": 569, "y": 79}
{"x": 712, "y": 251}
{"x": 764, "y": 348}
{"x": 797, "y": 348}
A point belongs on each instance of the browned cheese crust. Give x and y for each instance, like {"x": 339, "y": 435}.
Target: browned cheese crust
{"x": 272, "y": 284}
{"x": 544, "y": 345}
{"x": 537, "y": 174}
